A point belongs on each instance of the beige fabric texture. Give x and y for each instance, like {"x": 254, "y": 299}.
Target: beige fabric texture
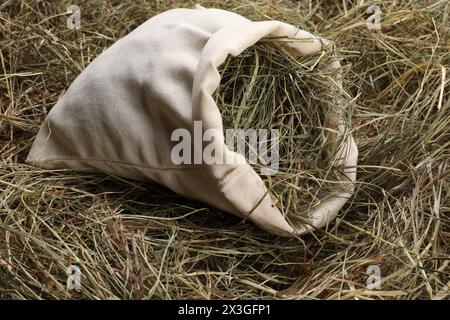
{"x": 118, "y": 115}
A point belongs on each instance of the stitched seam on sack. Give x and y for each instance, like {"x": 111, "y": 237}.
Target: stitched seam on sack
{"x": 123, "y": 163}
{"x": 225, "y": 183}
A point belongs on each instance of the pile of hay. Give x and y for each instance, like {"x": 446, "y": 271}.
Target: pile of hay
{"x": 267, "y": 88}
{"x": 136, "y": 240}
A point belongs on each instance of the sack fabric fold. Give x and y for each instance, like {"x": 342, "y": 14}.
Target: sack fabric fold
{"x": 119, "y": 114}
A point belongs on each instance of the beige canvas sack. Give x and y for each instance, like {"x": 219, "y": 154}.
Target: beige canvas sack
{"x": 119, "y": 114}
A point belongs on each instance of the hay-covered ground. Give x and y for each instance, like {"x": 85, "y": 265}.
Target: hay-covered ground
{"x": 135, "y": 240}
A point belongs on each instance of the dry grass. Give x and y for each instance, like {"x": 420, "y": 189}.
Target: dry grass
{"x": 134, "y": 240}
{"x": 267, "y": 88}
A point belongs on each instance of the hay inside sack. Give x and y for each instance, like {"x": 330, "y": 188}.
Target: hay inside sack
{"x": 265, "y": 87}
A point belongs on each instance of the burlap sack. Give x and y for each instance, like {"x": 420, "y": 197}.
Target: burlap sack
{"x": 119, "y": 114}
